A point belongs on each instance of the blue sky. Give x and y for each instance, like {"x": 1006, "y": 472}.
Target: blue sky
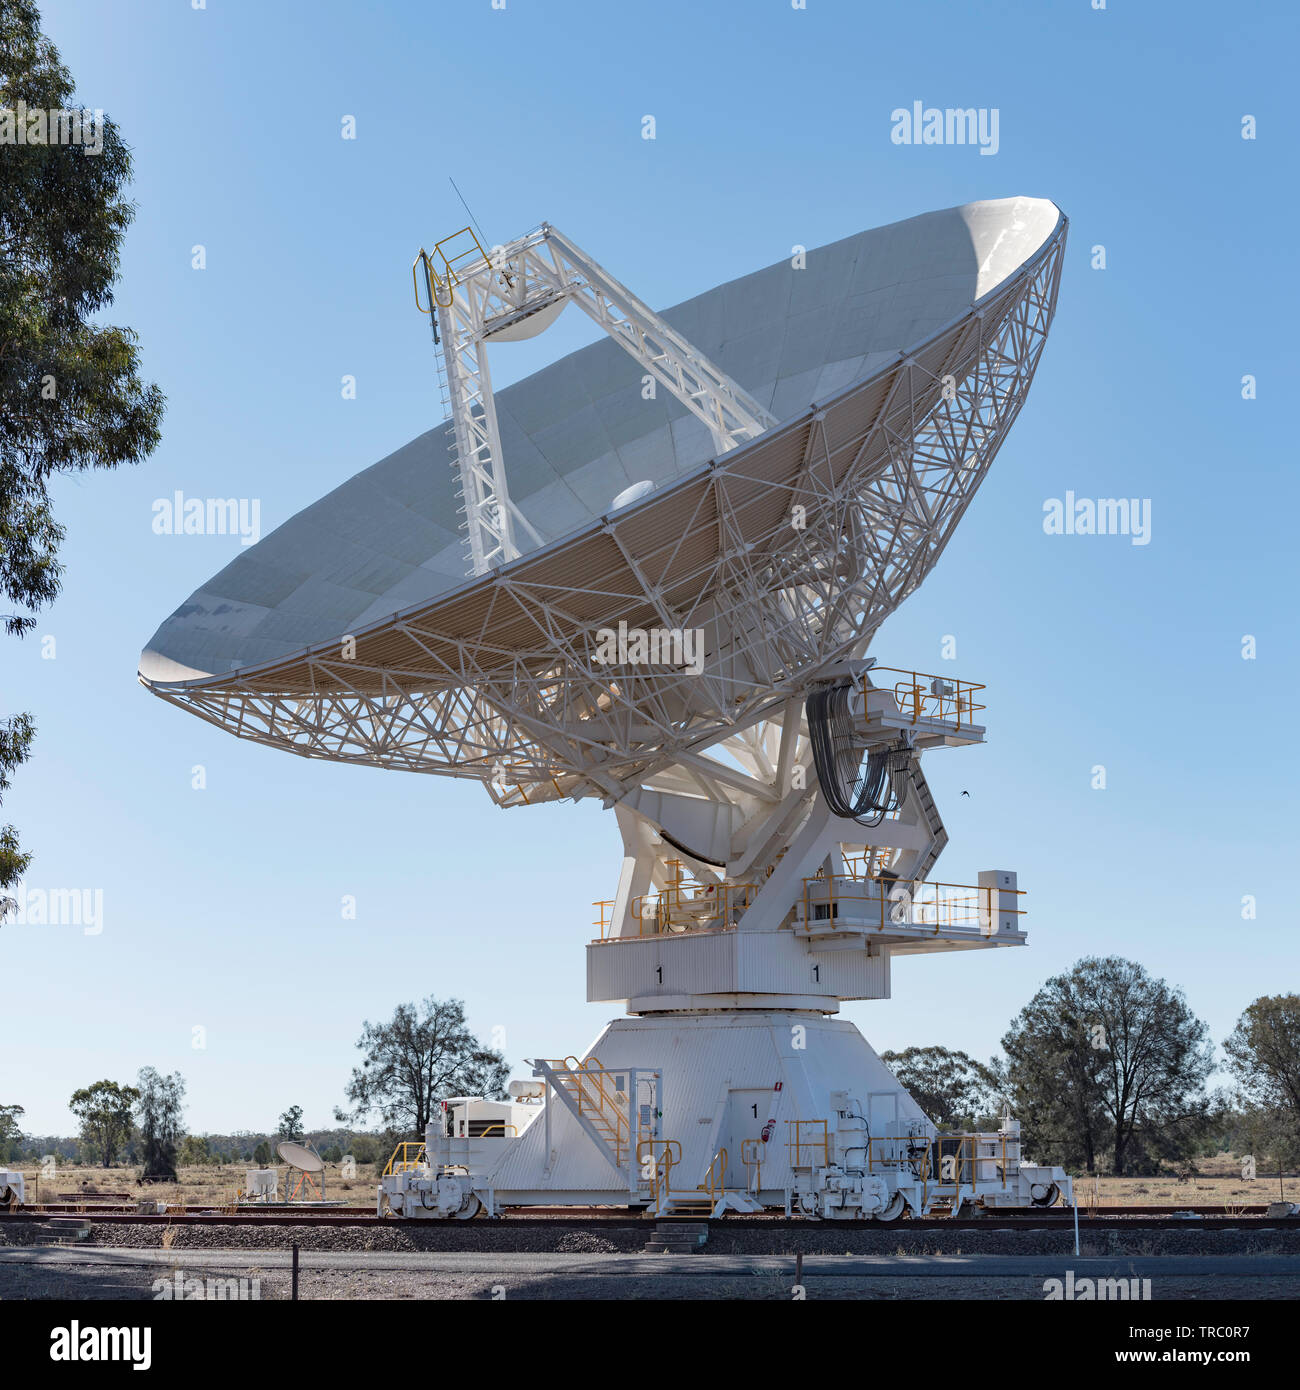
{"x": 222, "y": 906}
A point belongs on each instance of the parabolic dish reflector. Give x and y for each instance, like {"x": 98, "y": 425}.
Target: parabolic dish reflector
{"x": 894, "y": 362}
{"x": 300, "y": 1156}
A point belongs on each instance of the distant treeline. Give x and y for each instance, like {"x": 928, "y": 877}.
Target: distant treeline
{"x": 245, "y": 1146}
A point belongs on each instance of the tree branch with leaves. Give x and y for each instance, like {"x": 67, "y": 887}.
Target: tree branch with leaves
{"x": 71, "y": 393}
{"x": 420, "y": 1057}
{"x": 104, "y": 1110}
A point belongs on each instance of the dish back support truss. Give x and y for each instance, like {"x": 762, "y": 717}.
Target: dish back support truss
{"x": 499, "y": 680}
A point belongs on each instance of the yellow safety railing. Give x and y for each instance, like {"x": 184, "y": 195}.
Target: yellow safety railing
{"x": 870, "y": 863}
{"x": 751, "y": 1156}
{"x": 655, "y": 1159}
{"x": 438, "y": 290}
{"x": 715, "y": 1180}
{"x": 509, "y": 787}
{"x": 682, "y": 905}
{"x": 441, "y": 281}
{"x": 704, "y": 906}
{"x": 402, "y": 1162}
{"x": 924, "y": 696}
{"x": 881, "y": 903}
{"x": 410, "y": 1155}
{"x": 712, "y": 904}
{"x": 809, "y": 1144}
{"x": 598, "y": 1100}
{"x": 946, "y": 1161}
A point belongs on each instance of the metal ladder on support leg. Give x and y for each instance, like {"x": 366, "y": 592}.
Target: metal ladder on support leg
{"x": 423, "y": 268}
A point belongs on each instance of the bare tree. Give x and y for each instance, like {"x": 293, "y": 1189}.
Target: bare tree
{"x": 422, "y": 1055}
{"x": 1118, "y": 1055}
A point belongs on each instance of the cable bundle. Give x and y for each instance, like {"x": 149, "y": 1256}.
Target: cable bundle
{"x": 865, "y": 796}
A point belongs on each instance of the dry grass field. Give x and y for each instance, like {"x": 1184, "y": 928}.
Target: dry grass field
{"x": 1218, "y": 1182}
{"x": 204, "y": 1185}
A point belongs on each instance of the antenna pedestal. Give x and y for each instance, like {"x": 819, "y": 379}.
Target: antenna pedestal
{"x": 742, "y": 1110}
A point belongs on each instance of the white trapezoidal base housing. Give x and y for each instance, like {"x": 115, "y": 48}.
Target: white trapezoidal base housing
{"x": 705, "y": 1113}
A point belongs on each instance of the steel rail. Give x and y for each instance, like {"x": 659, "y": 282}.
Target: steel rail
{"x": 1214, "y": 1218}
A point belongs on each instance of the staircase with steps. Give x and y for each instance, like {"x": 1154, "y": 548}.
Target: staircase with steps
{"x": 711, "y": 1198}
{"x": 585, "y": 1089}
{"x": 933, "y": 823}
{"x": 62, "y": 1231}
{"x": 677, "y": 1237}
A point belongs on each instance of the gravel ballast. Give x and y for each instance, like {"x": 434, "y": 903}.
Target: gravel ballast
{"x": 618, "y": 1237}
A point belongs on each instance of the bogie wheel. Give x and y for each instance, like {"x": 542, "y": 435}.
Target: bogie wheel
{"x": 896, "y": 1207}
{"x": 469, "y": 1209}
{"x": 1049, "y": 1197}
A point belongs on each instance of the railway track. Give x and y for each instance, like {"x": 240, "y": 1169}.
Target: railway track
{"x": 1130, "y": 1218}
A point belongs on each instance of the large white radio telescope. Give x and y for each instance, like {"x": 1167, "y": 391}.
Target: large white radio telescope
{"x": 650, "y": 573}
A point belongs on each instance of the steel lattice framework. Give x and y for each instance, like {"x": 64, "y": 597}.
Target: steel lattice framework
{"x": 481, "y": 296}
{"x": 787, "y": 552}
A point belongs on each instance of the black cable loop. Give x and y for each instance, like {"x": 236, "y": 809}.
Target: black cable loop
{"x": 865, "y": 796}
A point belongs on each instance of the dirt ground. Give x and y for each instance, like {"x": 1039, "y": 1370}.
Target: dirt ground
{"x": 211, "y": 1184}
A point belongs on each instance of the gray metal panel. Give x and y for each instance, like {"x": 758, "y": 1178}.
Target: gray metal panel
{"x": 734, "y": 962}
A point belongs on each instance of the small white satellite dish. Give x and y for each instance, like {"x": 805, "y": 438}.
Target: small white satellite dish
{"x": 515, "y": 328}
{"x": 300, "y": 1156}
